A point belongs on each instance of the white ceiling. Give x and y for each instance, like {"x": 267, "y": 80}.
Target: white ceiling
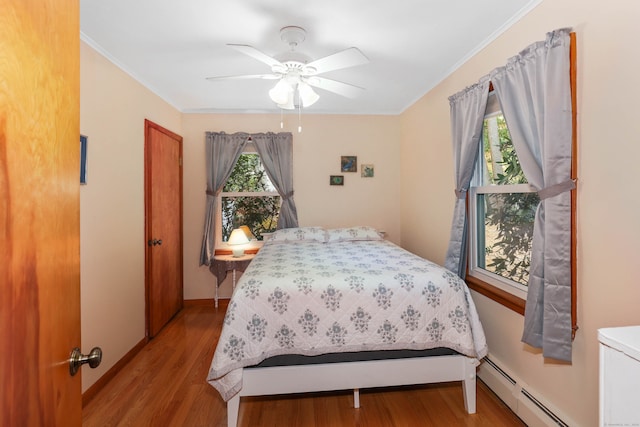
{"x": 171, "y": 46}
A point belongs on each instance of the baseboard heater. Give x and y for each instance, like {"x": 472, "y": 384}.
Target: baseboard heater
{"x": 518, "y": 397}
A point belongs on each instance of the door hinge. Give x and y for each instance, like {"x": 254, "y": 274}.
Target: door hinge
{"x": 180, "y": 161}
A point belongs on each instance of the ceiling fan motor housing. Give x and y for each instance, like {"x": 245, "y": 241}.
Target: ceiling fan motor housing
{"x": 292, "y": 60}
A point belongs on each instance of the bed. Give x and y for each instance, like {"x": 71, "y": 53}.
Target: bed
{"x": 344, "y": 309}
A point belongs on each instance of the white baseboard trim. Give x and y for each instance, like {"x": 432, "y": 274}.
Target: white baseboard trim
{"x": 526, "y": 403}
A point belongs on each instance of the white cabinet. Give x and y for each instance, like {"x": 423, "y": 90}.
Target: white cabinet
{"x": 619, "y": 376}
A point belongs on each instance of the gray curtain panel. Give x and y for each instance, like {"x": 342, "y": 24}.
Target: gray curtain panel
{"x": 276, "y": 152}
{"x": 222, "y": 153}
{"x": 534, "y": 90}
{"x": 467, "y": 115}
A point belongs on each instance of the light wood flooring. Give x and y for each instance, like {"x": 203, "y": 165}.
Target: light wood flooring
{"x": 165, "y": 385}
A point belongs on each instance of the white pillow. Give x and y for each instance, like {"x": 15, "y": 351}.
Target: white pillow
{"x": 300, "y": 234}
{"x": 352, "y": 233}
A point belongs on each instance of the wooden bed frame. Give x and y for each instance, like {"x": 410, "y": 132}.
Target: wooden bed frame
{"x": 260, "y": 381}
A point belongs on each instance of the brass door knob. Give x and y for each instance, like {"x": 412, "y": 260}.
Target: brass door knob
{"x": 78, "y": 359}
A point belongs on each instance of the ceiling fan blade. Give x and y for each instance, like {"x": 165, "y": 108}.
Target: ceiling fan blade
{"x": 346, "y": 58}
{"x": 245, "y": 77}
{"x": 344, "y": 89}
{"x": 257, "y": 54}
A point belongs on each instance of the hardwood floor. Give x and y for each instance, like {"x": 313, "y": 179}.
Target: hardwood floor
{"x": 165, "y": 385}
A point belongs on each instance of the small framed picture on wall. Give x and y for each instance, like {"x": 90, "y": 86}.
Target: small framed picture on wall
{"x": 349, "y": 164}
{"x": 336, "y": 180}
{"x": 366, "y": 171}
{"x": 83, "y": 159}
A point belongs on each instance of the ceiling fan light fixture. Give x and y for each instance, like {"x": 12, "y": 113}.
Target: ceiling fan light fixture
{"x": 281, "y": 92}
{"x": 289, "y": 105}
{"x": 307, "y": 95}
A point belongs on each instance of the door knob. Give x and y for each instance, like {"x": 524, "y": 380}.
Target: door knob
{"x": 78, "y": 359}
{"x": 154, "y": 242}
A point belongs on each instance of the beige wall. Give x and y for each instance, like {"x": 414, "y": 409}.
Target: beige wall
{"x": 608, "y": 205}
{"x": 112, "y": 111}
{"x": 316, "y": 155}
{"x": 413, "y": 187}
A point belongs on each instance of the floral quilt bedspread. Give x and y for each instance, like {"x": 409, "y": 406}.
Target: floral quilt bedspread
{"x": 314, "y": 297}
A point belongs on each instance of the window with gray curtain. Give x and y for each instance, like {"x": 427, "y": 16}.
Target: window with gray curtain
{"x": 222, "y": 153}
{"x": 534, "y": 91}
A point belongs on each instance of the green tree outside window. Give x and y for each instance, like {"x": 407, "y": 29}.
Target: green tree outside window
{"x": 508, "y": 217}
{"x": 251, "y": 200}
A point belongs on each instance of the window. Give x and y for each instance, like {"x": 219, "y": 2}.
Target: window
{"x": 248, "y": 198}
{"x": 502, "y": 209}
{"x": 539, "y": 101}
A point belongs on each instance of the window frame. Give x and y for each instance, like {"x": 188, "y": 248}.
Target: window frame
{"x": 495, "y": 280}
{"x": 220, "y": 246}
{"x": 509, "y": 300}
{"x": 492, "y": 285}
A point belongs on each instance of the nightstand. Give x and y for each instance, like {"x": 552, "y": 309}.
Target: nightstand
{"x": 619, "y": 375}
{"x": 223, "y": 263}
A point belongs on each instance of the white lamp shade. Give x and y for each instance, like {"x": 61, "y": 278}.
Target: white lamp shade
{"x": 281, "y": 92}
{"x": 289, "y": 105}
{"x": 237, "y": 239}
{"x": 247, "y": 232}
{"x": 307, "y": 95}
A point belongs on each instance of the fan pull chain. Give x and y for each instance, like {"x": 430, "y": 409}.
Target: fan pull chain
{"x": 299, "y": 116}
{"x": 281, "y": 119}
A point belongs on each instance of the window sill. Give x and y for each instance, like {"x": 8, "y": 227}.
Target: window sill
{"x": 498, "y": 295}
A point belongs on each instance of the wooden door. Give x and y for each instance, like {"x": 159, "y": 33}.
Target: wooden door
{"x": 39, "y": 212}
{"x": 163, "y": 197}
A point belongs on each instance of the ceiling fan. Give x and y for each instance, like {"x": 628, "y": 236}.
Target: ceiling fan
{"x": 297, "y": 73}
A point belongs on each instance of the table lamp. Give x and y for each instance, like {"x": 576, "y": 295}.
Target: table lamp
{"x": 247, "y": 231}
{"x": 237, "y": 240}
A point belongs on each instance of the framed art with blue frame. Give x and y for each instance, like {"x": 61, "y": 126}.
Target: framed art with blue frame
{"x": 83, "y": 159}
{"x": 349, "y": 164}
